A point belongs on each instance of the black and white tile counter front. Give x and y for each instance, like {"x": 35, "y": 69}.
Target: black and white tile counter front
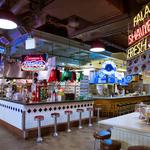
{"x": 20, "y": 116}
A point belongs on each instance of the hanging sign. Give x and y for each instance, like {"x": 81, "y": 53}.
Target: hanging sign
{"x": 140, "y": 33}
{"x": 142, "y": 15}
{"x": 138, "y": 48}
{"x": 33, "y": 62}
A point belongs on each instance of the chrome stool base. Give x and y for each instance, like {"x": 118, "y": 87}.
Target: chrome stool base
{"x": 39, "y": 140}
{"x": 69, "y": 130}
{"x": 90, "y": 125}
{"x": 80, "y": 127}
{"x": 55, "y": 134}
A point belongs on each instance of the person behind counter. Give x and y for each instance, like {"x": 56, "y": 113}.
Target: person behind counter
{"x": 15, "y": 93}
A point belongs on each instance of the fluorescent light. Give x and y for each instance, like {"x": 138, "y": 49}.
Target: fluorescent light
{"x": 97, "y": 49}
{"x": 7, "y": 24}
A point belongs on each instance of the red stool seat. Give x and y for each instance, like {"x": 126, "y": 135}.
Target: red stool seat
{"x": 39, "y": 117}
{"x": 55, "y": 114}
{"x": 139, "y": 148}
{"x": 68, "y": 111}
{"x": 80, "y": 110}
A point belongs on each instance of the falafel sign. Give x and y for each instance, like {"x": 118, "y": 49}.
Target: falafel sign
{"x": 33, "y": 63}
{"x": 139, "y": 38}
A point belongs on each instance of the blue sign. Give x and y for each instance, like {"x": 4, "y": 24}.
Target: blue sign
{"x": 111, "y": 78}
{"x": 101, "y": 77}
{"x": 109, "y": 67}
{"x": 128, "y": 78}
{"x": 2, "y": 50}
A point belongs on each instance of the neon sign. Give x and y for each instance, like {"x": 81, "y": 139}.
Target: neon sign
{"x": 139, "y": 33}
{"x": 142, "y": 15}
{"x": 33, "y": 63}
{"x": 138, "y": 48}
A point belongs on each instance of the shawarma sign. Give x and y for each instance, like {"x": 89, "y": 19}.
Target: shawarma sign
{"x": 138, "y": 39}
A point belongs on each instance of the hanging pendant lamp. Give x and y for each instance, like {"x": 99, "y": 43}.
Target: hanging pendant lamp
{"x": 97, "y": 46}
{"x": 7, "y": 20}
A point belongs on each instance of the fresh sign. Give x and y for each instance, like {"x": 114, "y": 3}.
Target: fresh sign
{"x": 138, "y": 48}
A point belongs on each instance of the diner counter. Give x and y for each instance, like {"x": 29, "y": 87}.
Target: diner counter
{"x": 43, "y": 102}
{"x": 118, "y": 97}
{"x": 19, "y": 116}
{"x": 129, "y": 129}
{"x": 115, "y": 106}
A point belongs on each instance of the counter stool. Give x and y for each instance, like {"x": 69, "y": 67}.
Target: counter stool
{"x": 55, "y": 116}
{"x": 39, "y": 119}
{"x": 80, "y": 111}
{"x": 68, "y": 113}
{"x": 138, "y": 148}
{"x": 90, "y": 121}
{"x": 109, "y": 144}
{"x": 98, "y": 113}
{"x": 101, "y": 135}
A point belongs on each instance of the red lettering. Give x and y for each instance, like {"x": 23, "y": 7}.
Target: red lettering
{"x": 139, "y": 33}
{"x": 148, "y": 25}
{"x": 130, "y": 39}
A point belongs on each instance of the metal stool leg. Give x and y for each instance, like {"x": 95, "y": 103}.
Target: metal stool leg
{"x": 80, "y": 120}
{"x": 39, "y": 138}
{"x": 90, "y": 121}
{"x": 55, "y": 127}
{"x": 98, "y": 114}
{"x": 68, "y": 123}
{"x": 95, "y": 145}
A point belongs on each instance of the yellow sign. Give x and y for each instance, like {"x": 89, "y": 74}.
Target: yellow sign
{"x": 138, "y": 48}
{"x": 146, "y": 77}
{"x": 142, "y": 15}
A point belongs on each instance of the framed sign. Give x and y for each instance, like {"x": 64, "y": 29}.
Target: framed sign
{"x": 33, "y": 62}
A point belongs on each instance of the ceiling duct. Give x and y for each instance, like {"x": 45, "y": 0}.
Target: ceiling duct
{"x": 18, "y": 6}
{"x": 113, "y": 45}
{"x": 13, "y": 70}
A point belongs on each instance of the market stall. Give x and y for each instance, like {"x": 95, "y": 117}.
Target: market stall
{"x": 18, "y": 117}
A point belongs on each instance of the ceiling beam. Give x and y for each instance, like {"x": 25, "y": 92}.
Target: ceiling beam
{"x": 118, "y": 4}
{"x": 110, "y": 27}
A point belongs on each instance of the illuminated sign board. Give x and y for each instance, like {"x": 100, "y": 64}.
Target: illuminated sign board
{"x": 139, "y": 37}
{"x": 33, "y": 62}
{"x": 2, "y": 50}
{"x": 142, "y": 15}
{"x": 139, "y": 33}
{"x": 109, "y": 67}
{"x": 138, "y": 48}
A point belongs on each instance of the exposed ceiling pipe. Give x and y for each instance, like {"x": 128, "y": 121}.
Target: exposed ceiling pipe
{"x": 2, "y": 2}
{"x": 120, "y": 18}
{"x": 18, "y": 6}
{"x": 113, "y": 45}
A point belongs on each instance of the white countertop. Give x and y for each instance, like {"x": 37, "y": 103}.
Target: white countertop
{"x": 130, "y": 121}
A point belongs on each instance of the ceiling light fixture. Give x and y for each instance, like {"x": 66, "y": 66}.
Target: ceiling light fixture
{"x": 97, "y": 46}
{"x": 7, "y": 20}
